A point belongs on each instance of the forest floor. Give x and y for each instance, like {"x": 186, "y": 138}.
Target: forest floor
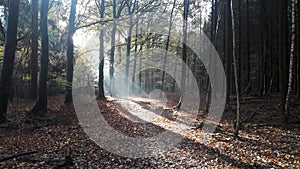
{"x": 57, "y": 135}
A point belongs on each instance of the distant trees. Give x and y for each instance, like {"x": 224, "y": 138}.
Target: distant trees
{"x": 9, "y": 57}
{"x": 261, "y": 45}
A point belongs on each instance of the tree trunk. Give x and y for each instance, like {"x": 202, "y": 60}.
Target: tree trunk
{"x": 167, "y": 48}
{"x": 239, "y": 59}
{"x": 264, "y": 49}
{"x": 70, "y": 52}
{"x": 128, "y": 49}
{"x": 248, "y": 88}
{"x": 228, "y": 49}
{"x": 235, "y": 64}
{"x": 101, "y": 94}
{"x": 41, "y": 105}
{"x": 184, "y": 52}
{"x": 135, "y": 52}
{"x": 34, "y": 49}
{"x": 291, "y": 65}
{"x": 298, "y": 47}
{"x": 9, "y": 57}
{"x": 131, "y": 9}
{"x": 283, "y": 53}
{"x": 116, "y": 14}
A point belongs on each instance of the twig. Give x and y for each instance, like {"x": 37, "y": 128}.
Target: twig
{"x": 17, "y": 155}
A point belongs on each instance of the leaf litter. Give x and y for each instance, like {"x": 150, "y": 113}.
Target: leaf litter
{"x": 57, "y": 132}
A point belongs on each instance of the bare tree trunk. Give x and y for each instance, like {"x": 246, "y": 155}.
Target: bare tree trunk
{"x": 184, "y": 52}
{"x": 298, "y": 47}
{"x": 128, "y": 47}
{"x": 116, "y": 14}
{"x": 239, "y": 60}
{"x": 248, "y": 88}
{"x": 41, "y": 105}
{"x": 167, "y": 48}
{"x": 131, "y": 8}
{"x": 283, "y": 53}
{"x": 101, "y": 94}
{"x": 291, "y": 67}
{"x": 135, "y": 52}
{"x": 112, "y": 50}
{"x": 235, "y": 64}
{"x": 9, "y": 57}
{"x": 70, "y": 52}
{"x": 34, "y": 49}
{"x": 228, "y": 49}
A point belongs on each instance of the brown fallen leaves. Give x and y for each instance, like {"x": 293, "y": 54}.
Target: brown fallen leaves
{"x": 58, "y": 131}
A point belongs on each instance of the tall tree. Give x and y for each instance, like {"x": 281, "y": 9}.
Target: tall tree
{"x": 101, "y": 94}
{"x": 283, "y": 51}
{"x": 9, "y": 57}
{"x": 34, "y": 49}
{"x": 184, "y": 50}
{"x": 228, "y": 47}
{"x": 235, "y": 64}
{"x": 298, "y": 46}
{"x": 248, "y": 88}
{"x": 167, "y": 46}
{"x": 291, "y": 64}
{"x": 70, "y": 52}
{"x": 136, "y": 49}
{"x": 131, "y": 8}
{"x": 41, "y": 104}
{"x": 117, "y": 11}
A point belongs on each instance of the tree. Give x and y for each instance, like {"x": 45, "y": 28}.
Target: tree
{"x": 291, "y": 64}
{"x": 9, "y": 57}
{"x": 228, "y": 47}
{"x": 101, "y": 65}
{"x": 34, "y": 49}
{"x": 70, "y": 52}
{"x": 283, "y": 51}
{"x": 235, "y": 64}
{"x": 184, "y": 50}
{"x": 167, "y": 46}
{"x": 248, "y": 88}
{"x": 298, "y": 46}
{"x": 117, "y": 11}
{"x": 41, "y": 104}
{"x": 131, "y": 8}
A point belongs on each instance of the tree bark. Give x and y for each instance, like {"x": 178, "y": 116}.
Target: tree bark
{"x": 34, "y": 49}
{"x": 70, "y": 52}
{"x": 283, "y": 53}
{"x": 116, "y": 14}
{"x": 131, "y": 8}
{"x": 291, "y": 65}
{"x": 9, "y": 57}
{"x": 135, "y": 52}
{"x": 298, "y": 47}
{"x": 41, "y": 105}
{"x": 167, "y": 48}
{"x": 235, "y": 64}
{"x": 184, "y": 52}
{"x": 228, "y": 49}
{"x": 101, "y": 94}
{"x": 248, "y": 88}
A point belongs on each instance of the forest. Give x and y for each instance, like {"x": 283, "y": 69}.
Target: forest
{"x": 149, "y": 84}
